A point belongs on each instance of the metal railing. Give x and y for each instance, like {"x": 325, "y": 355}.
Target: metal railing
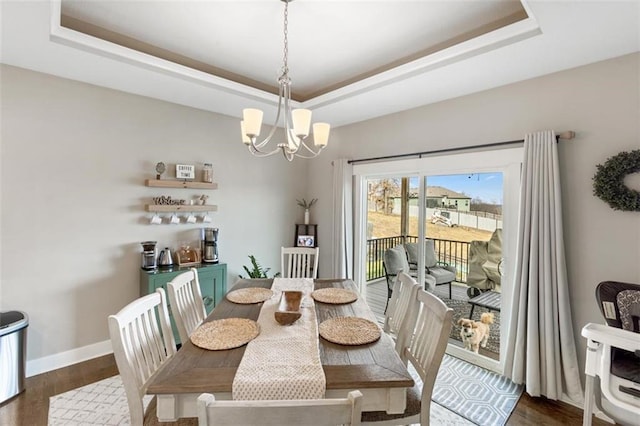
{"x": 455, "y": 253}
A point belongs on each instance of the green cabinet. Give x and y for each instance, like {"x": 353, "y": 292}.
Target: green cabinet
{"x": 212, "y": 277}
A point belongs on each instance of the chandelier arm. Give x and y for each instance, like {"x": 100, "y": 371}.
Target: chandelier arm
{"x": 257, "y": 147}
{"x": 256, "y": 153}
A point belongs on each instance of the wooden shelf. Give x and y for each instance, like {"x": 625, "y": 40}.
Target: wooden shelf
{"x": 162, "y": 208}
{"x": 156, "y": 183}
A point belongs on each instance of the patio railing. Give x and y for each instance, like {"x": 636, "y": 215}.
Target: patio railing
{"x": 455, "y": 253}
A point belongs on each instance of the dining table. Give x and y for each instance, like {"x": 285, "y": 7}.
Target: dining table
{"x": 375, "y": 369}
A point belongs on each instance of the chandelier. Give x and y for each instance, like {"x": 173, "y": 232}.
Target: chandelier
{"x": 295, "y": 122}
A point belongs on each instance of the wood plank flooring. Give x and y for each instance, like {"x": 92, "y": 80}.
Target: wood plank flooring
{"x": 31, "y": 407}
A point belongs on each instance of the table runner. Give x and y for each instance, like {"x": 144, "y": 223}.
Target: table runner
{"x": 283, "y": 362}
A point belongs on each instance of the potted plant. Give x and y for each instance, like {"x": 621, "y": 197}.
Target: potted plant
{"x": 306, "y": 205}
{"x": 257, "y": 271}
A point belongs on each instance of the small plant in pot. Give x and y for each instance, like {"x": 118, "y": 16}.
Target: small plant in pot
{"x": 306, "y": 205}
{"x": 257, "y": 271}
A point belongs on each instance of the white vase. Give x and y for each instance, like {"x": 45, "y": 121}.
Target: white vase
{"x": 306, "y": 216}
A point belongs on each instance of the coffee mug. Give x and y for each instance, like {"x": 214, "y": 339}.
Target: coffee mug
{"x": 174, "y": 219}
{"x": 156, "y": 220}
{"x": 206, "y": 218}
{"x": 191, "y": 218}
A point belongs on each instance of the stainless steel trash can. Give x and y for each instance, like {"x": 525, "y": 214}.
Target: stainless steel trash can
{"x": 13, "y": 353}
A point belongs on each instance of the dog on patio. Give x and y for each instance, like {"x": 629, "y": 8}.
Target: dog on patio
{"x": 475, "y": 334}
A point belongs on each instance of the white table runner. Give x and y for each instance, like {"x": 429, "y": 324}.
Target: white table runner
{"x": 283, "y": 362}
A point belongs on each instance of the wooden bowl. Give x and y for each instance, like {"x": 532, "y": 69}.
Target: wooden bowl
{"x": 289, "y": 308}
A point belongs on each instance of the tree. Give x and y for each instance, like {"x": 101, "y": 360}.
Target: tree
{"x": 381, "y": 193}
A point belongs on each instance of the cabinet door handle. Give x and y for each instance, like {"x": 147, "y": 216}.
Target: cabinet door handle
{"x": 207, "y": 300}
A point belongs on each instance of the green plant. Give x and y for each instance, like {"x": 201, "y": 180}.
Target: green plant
{"x": 257, "y": 271}
{"x": 608, "y": 182}
{"x": 306, "y": 205}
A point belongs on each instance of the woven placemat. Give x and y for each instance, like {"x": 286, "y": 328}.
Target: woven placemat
{"x": 349, "y": 331}
{"x": 249, "y": 295}
{"x": 335, "y": 296}
{"x": 227, "y": 333}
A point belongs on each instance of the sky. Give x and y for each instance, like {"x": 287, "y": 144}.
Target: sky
{"x": 486, "y": 186}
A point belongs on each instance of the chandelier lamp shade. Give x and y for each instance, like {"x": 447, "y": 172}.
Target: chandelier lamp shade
{"x": 295, "y": 122}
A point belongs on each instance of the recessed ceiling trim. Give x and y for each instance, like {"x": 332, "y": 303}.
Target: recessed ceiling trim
{"x": 501, "y": 37}
{"x": 484, "y": 43}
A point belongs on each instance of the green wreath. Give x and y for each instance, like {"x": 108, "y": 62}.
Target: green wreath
{"x": 608, "y": 182}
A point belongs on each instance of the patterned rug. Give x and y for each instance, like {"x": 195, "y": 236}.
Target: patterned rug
{"x": 479, "y": 395}
{"x": 105, "y": 403}
{"x": 101, "y": 403}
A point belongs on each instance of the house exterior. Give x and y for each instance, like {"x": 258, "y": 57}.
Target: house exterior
{"x": 438, "y": 196}
{"x": 74, "y": 156}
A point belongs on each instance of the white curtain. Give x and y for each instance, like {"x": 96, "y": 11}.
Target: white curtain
{"x": 342, "y": 219}
{"x": 541, "y": 351}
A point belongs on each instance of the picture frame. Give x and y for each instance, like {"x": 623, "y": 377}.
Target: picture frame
{"x": 185, "y": 171}
{"x": 306, "y": 241}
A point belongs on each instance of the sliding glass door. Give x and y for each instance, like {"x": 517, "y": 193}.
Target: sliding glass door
{"x": 455, "y": 216}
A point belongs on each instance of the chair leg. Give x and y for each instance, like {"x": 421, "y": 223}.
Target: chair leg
{"x": 451, "y": 298}
{"x": 471, "y": 313}
{"x": 588, "y": 401}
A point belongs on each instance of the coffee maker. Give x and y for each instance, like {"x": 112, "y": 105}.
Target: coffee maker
{"x": 149, "y": 255}
{"x": 209, "y": 245}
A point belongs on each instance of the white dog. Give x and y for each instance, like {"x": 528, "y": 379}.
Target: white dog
{"x": 475, "y": 334}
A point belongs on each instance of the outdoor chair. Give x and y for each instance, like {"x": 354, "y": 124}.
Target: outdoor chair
{"x": 442, "y": 273}
{"x": 612, "y": 366}
{"x": 394, "y": 262}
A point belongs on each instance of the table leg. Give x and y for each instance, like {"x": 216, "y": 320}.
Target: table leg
{"x": 166, "y": 409}
{"x": 397, "y": 400}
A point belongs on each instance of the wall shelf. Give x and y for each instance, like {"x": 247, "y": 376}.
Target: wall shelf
{"x": 158, "y": 183}
{"x": 162, "y": 208}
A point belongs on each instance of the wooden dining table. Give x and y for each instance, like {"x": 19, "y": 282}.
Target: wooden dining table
{"x": 375, "y": 368}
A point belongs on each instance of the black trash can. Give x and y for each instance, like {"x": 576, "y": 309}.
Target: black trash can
{"x": 13, "y": 353}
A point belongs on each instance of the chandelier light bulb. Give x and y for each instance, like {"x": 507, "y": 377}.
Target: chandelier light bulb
{"x": 252, "y": 121}
{"x": 321, "y": 134}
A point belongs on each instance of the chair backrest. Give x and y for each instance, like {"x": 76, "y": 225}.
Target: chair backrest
{"x": 186, "y": 303}
{"x": 404, "y": 295}
{"x": 395, "y": 261}
{"x": 422, "y": 341}
{"x": 340, "y": 411}
{"x": 142, "y": 343}
{"x": 299, "y": 262}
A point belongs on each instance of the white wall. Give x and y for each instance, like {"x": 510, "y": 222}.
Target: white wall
{"x": 601, "y": 102}
{"x": 73, "y": 162}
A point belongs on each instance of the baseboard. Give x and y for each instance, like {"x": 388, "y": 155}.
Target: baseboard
{"x": 64, "y": 359}
{"x": 596, "y": 412}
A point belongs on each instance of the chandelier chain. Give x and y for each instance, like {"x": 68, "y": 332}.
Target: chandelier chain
{"x": 285, "y": 58}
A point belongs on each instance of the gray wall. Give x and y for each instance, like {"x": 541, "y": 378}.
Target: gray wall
{"x": 74, "y": 160}
{"x": 601, "y": 102}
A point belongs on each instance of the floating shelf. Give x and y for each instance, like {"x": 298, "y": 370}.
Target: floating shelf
{"x": 158, "y": 183}
{"x": 162, "y": 208}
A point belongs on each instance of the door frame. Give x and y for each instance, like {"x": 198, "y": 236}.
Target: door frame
{"x": 506, "y": 160}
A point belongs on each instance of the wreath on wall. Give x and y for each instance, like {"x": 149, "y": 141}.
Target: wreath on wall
{"x": 608, "y": 182}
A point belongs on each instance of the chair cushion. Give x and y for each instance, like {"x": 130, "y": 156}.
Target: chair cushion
{"x": 625, "y": 364}
{"x": 414, "y": 405}
{"x": 395, "y": 260}
{"x": 412, "y": 252}
{"x": 442, "y": 275}
{"x": 430, "y": 258}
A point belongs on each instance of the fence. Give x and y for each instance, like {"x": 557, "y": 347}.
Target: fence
{"x": 455, "y": 253}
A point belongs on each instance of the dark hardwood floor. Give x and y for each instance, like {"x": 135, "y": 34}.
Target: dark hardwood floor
{"x": 31, "y": 407}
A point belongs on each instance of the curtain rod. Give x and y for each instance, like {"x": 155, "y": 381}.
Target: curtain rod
{"x": 564, "y": 135}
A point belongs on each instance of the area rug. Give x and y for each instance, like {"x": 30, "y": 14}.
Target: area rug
{"x": 102, "y": 403}
{"x": 481, "y": 396}
{"x": 105, "y": 403}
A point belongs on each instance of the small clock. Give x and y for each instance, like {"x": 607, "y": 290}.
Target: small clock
{"x": 160, "y": 169}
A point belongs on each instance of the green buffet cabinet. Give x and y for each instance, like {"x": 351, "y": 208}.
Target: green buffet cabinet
{"x": 212, "y": 277}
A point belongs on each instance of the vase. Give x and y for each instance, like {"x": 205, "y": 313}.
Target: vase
{"x": 306, "y": 216}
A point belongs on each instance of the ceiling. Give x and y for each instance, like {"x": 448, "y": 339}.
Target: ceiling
{"x": 348, "y": 60}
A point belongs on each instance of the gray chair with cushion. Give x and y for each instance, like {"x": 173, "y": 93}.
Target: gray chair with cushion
{"x": 394, "y": 262}
{"x": 441, "y": 273}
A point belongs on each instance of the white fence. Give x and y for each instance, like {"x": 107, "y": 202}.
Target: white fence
{"x": 464, "y": 219}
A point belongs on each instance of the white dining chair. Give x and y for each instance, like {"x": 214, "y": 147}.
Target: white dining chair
{"x": 142, "y": 343}
{"x": 299, "y": 262}
{"x": 337, "y": 411}
{"x": 422, "y": 341}
{"x": 402, "y": 298}
{"x": 186, "y": 303}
